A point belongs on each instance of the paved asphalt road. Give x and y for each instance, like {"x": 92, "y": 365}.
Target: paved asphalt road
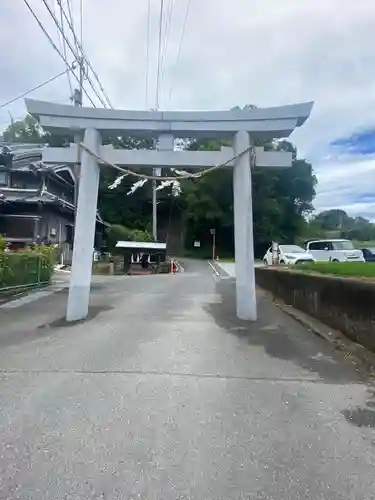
{"x": 163, "y": 394}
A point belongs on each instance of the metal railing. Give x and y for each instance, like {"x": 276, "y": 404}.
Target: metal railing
{"x": 23, "y": 271}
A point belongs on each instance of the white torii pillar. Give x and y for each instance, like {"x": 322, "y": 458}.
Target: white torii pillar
{"x": 243, "y": 229}
{"x": 84, "y": 235}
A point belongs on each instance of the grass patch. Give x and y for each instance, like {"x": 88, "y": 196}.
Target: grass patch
{"x": 357, "y": 269}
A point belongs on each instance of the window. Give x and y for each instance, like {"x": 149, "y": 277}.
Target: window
{"x": 318, "y": 245}
{"x": 3, "y": 179}
{"x": 292, "y": 249}
{"x": 69, "y": 233}
{"x": 25, "y": 180}
{"x": 343, "y": 245}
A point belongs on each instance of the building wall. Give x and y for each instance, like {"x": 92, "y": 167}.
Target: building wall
{"x": 53, "y": 226}
{"x": 56, "y": 228}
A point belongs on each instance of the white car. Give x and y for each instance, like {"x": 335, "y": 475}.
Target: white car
{"x": 289, "y": 255}
{"x": 334, "y": 250}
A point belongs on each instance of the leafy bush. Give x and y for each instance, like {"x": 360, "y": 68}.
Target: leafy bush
{"x": 27, "y": 268}
{"x": 101, "y": 268}
{"x": 2, "y": 243}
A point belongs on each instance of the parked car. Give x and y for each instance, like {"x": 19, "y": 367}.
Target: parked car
{"x": 339, "y": 250}
{"x": 369, "y": 254}
{"x": 289, "y": 255}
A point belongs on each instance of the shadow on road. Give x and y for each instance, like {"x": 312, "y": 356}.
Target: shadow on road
{"x": 282, "y": 337}
{"x": 363, "y": 417}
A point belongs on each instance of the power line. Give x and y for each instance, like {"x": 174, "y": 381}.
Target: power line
{"x": 81, "y": 19}
{"x": 148, "y": 48}
{"x": 80, "y": 49}
{"x": 62, "y": 50}
{"x": 72, "y": 49}
{"x": 70, "y": 13}
{"x": 166, "y": 40}
{"x": 181, "y": 43}
{"x": 55, "y": 47}
{"x": 63, "y": 43}
{"x": 159, "y": 54}
{"x": 35, "y": 88}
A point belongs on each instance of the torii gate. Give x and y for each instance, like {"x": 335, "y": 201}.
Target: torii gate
{"x": 240, "y": 126}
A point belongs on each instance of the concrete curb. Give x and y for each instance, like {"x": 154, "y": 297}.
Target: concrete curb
{"x": 19, "y": 294}
{"x": 353, "y": 351}
{"x": 219, "y": 270}
{"x": 213, "y": 268}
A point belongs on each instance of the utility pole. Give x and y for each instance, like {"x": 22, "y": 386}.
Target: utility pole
{"x": 77, "y": 100}
{"x": 156, "y": 172}
{"x": 213, "y": 233}
{"x": 154, "y": 211}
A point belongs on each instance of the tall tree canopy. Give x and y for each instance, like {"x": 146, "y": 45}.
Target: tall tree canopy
{"x": 281, "y": 200}
{"x": 337, "y": 223}
{"x": 28, "y": 130}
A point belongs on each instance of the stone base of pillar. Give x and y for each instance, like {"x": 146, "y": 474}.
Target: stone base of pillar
{"x": 78, "y": 303}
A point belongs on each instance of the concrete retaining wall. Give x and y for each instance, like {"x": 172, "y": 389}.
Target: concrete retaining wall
{"x": 343, "y": 303}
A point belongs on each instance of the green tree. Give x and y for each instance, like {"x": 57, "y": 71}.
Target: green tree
{"x": 337, "y": 223}
{"x": 117, "y": 232}
{"x": 281, "y": 201}
{"x": 28, "y": 130}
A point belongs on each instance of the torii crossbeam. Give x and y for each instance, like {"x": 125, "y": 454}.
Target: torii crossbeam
{"x": 241, "y": 126}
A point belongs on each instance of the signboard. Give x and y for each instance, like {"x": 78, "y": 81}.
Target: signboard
{"x": 197, "y": 244}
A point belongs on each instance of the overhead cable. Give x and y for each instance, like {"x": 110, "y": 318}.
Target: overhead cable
{"x": 80, "y": 49}
{"x": 56, "y": 48}
{"x": 63, "y": 43}
{"x": 166, "y": 40}
{"x": 70, "y": 13}
{"x": 147, "y": 49}
{"x": 159, "y": 55}
{"x": 36, "y": 88}
{"x": 62, "y": 50}
{"x": 181, "y": 43}
{"x": 73, "y": 51}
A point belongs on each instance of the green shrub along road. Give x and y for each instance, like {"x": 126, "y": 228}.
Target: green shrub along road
{"x": 355, "y": 269}
{"x": 23, "y": 269}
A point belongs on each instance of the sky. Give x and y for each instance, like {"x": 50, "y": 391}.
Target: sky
{"x": 233, "y": 52}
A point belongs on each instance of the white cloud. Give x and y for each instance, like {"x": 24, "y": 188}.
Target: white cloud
{"x": 349, "y": 185}
{"x": 266, "y": 52}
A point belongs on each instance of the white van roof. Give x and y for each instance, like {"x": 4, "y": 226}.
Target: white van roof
{"x": 327, "y": 239}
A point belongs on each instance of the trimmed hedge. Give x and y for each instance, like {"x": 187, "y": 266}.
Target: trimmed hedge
{"x": 32, "y": 267}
